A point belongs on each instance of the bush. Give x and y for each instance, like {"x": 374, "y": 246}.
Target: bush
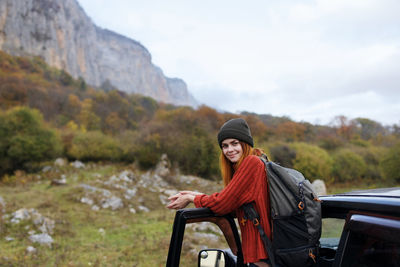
{"x": 264, "y": 146}
{"x": 24, "y": 139}
{"x": 283, "y": 155}
{"x": 348, "y": 166}
{"x": 148, "y": 151}
{"x": 196, "y": 154}
{"x": 312, "y": 161}
{"x": 390, "y": 164}
{"x": 128, "y": 141}
{"x": 372, "y": 156}
{"x": 94, "y": 146}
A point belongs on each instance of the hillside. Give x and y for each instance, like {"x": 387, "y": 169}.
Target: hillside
{"x": 62, "y": 34}
{"x": 46, "y": 113}
{"x": 82, "y": 184}
{"x": 99, "y": 215}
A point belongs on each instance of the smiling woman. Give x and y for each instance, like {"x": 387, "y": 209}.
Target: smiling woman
{"x": 245, "y": 182}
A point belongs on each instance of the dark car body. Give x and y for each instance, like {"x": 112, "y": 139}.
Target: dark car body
{"x": 370, "y": 235}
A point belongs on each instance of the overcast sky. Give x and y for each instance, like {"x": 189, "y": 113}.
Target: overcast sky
{"x": 309, "y": 60}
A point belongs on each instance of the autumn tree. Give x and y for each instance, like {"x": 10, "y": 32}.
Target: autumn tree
{"x": 345, "y": 128}
{"x": 291, "y": 131}
{"x": 87, "y": 119}
{"x": 114, "y": 124}
{"x": 258, "y": 129}
{"x": 368, "y": 128}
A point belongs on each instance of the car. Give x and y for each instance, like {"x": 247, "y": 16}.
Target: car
{"x": 365, "y": 226}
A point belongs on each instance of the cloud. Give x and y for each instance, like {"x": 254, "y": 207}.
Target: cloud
{"x": 309, "y": 60}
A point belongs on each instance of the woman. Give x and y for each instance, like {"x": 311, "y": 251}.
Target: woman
{"x": 245, "y": 181}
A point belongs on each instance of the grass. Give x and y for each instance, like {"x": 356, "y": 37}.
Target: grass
{"x": 82, "y": 237}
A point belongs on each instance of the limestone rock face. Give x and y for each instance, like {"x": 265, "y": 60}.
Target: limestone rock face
{"x": 65, "y": 37}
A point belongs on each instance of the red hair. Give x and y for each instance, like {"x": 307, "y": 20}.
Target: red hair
{"x": 228, "y": 168}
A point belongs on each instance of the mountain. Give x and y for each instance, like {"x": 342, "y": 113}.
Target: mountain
{"x": 65, "y": 37}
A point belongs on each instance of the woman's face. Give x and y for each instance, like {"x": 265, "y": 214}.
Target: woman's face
{"x": 232, "y": 149}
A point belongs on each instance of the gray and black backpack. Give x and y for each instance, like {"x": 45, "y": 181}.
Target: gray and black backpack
{"x": 295, "y": 217}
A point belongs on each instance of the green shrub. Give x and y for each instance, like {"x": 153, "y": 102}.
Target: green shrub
{"x": 196, "y": 154}
{"x": 348, "y": 166}
{"x": 148, "y": 151}
{"x": 330, "y": 142}
{"x": 265, "y": 146}
{"x": 24, "y": 139}
{"x": 283, "y": 155}
{"x": 390, "y": 164}
{"x": 312, "y": 161}
{"x": 372, "y": 156}
{"x": 94, "y": 146}
{"x": 128, "y": 141}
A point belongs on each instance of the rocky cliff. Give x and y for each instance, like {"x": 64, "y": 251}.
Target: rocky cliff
{"x": 60, "y": 32}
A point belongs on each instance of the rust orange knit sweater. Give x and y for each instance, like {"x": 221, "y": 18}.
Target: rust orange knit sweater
{"x": 248, "y": 184}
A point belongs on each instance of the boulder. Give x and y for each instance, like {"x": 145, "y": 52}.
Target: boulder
{"x": 19, "y": 215}
{"x": 46, "y": 169}
{"x": 319, "y": 187}
{"x": 60, "y": 162}
{"x": 143, "y": 208}
{"x": 163, "y": 166}
{"x": 9, "y": 238}
{"x": 132, "y": 210}
{"x": 113, "y": 202}
{"x": 31, "y": 250}
{"x": 77, "y": 164}
{"x": 61, "y": 181}
{"x": 43, "y": 239}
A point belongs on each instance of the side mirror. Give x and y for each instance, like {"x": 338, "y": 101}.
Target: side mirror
{"x": 211, "y": 258}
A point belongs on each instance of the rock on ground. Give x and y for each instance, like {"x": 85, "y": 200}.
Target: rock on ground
{"x": 43, "y": 239}
{"x": 319, "y": 187}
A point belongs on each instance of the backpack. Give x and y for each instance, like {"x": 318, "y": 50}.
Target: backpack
{"x": 295, "y": 217}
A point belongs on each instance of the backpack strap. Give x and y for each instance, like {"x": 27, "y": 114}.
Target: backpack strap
{"x": 264, "y": 158}
{"x": 251, "y": 214}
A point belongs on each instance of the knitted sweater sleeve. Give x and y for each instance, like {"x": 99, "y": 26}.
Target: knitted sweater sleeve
{"x": 238, "y": 192}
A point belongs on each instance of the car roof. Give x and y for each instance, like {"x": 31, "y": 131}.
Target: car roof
{"x": 378, "y": 192}
{"x": 382, "y": 200}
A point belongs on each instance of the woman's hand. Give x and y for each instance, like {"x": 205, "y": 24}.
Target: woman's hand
{"x": 182, "y": 199}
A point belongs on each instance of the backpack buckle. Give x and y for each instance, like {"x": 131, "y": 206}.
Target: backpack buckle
{"x": 311, "y": 255}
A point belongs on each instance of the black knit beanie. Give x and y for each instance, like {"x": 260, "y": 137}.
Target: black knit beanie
{"x": 237, "y": 129}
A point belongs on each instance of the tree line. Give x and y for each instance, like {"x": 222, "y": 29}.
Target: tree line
{"x": 45, "y": 113}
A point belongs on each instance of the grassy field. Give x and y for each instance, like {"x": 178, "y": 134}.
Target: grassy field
{"x": 84, "y": 237}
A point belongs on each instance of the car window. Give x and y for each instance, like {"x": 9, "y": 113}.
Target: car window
{"x": 368, "y": 251}
{"x": 372, "y": 241}
{"x": 331, "y": 231}
{"x": 203, "y": 235}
